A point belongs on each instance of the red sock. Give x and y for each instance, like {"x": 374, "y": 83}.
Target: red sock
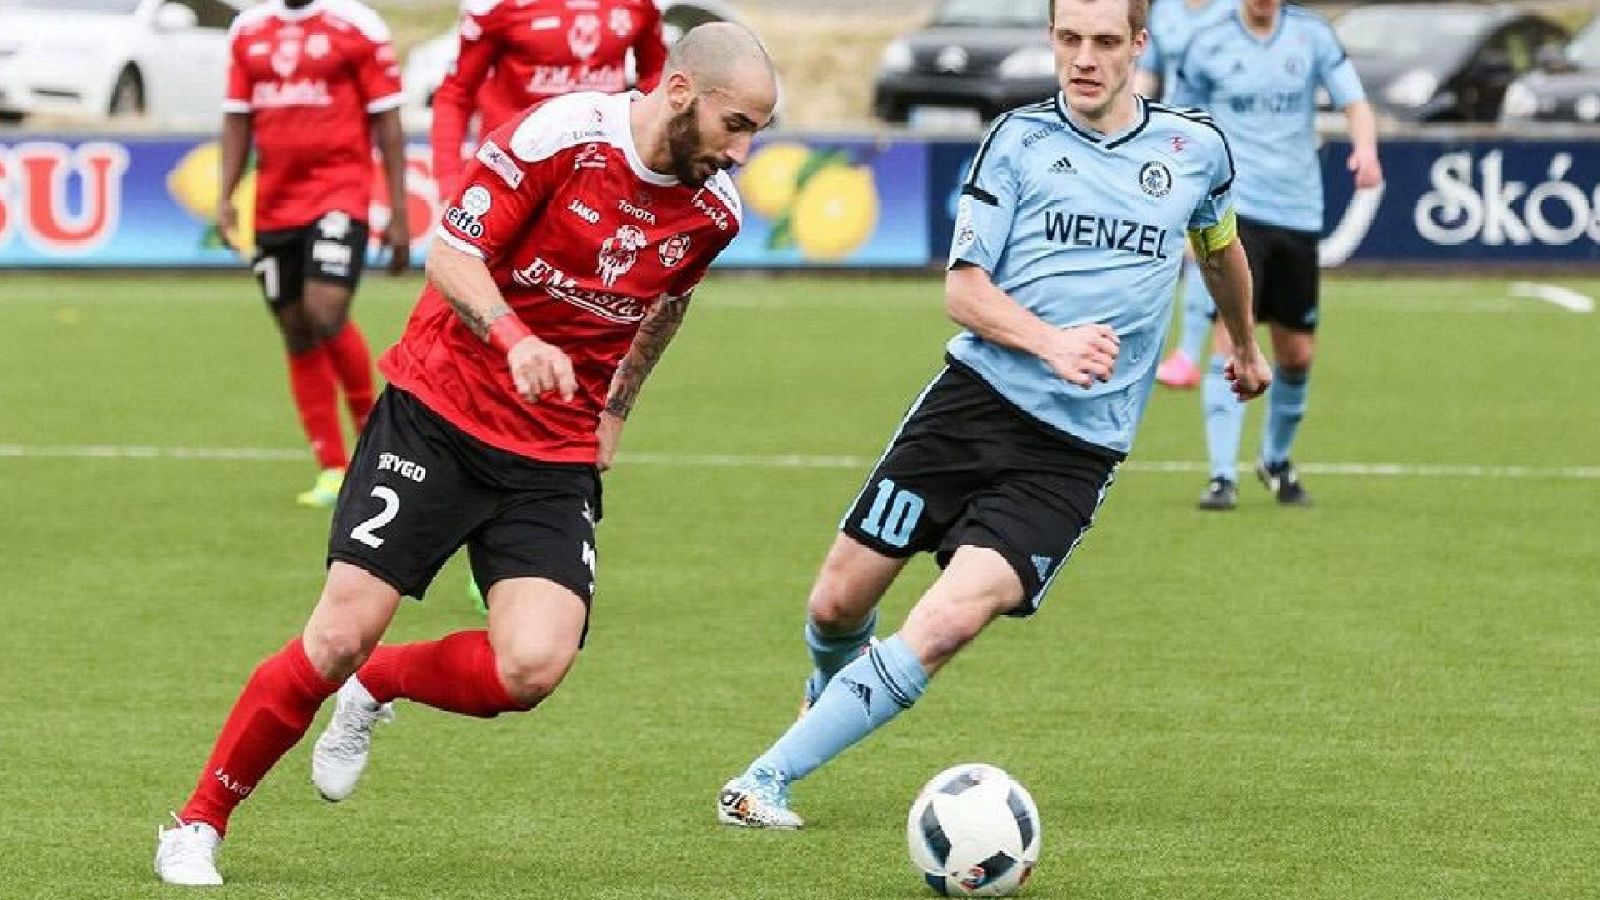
{"x": 353, "y": 364}
{"x": 316, "y": 396}
{"x": 272, "y": 712}
{"x": 456, "y": 673}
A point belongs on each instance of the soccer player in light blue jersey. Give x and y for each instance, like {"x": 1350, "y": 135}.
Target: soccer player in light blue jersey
{"x": 1172, "y": 24}
{"x": 1067, "y": 246}
{"x": 1258, "y": 73}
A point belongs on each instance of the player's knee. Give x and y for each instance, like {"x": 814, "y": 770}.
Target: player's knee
{"x": 840, "y": 599}
{"x": 532, "y": 674}
{"x": 336, "y": 649}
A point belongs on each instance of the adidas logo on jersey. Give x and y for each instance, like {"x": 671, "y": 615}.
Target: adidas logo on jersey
{"x": 1063, "y": 166}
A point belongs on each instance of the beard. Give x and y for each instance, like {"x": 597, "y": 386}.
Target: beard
{"x": 684, "y": 146}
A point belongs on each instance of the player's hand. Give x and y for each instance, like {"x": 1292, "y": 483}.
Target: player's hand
{"x": 397, "y": 237}
{"x": 609, "y": 432}
{"x": 1083, "y": 354}
{"x": 1364, "y": 164}
{"x": 538, "y": 368}
{"x": 228, "y": 223}
{"x": 1247, "y": 372}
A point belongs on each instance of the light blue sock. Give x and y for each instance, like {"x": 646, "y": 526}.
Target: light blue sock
{"x": 1286, "y": 406}
{"x": 862, "y": 697}
{"x": 1224, "y": 421}
{"x": 1197, "y": 309}
{"x": 831, "y": 652}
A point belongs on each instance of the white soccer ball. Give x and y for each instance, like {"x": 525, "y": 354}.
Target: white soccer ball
{"x": 974, "y": 831}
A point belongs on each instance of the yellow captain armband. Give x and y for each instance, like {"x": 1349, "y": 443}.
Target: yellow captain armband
{"x": 1207, "y": 241}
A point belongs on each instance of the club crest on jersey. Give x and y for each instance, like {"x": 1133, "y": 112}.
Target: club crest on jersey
{"x": 619, "y": 252}
{"x": 621, "y": 22}
{"x": 317, "y": 46}
{"x": 583, "y": 38}
{"x": 1295, "y": 66}
{"x": 673, "y": 250}
{"x": 1155, "y": 179}
{"x": 286, "y": 58}
{"x": 592, "y": 156}
{"x": 499, "y": 162}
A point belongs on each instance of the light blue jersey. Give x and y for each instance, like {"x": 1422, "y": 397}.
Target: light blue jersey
{"x": 1081, "y": 228}
{"x": 1173, "y": 23}
{"x": 1262, "y": 91}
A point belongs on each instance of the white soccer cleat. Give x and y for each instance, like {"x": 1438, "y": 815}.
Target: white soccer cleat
{"x": 758, "y": 799}
{"x": 186, "y": 855}
{"x": 341, "y": 752}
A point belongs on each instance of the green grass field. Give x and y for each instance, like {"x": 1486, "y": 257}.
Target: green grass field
{"x": 1395, "y": 694}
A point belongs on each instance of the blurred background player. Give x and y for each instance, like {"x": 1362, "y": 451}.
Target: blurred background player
{"x": 310, "y": 83}
{"x": 549, "y": 301}
{"x": 514, "y": 54}
{"x": 1258, "y": 72}
{"x": 1068, "y": 242}
{"x": 1172, "y": 24}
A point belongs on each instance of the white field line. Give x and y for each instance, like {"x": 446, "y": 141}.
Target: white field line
{"x": 1553, "y": 293}
{"x": 801, "y": 461}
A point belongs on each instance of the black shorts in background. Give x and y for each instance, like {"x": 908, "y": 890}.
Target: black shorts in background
{"x": 418, "y": 488}
{"x": 967, "y": 468}
{"x": 1283, "y": 267}
{"x": 332, "y": 249}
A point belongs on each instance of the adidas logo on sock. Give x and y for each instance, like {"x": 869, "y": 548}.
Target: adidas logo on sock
{"x": 862, "y": 692}
{"x": 1063, "y": 166}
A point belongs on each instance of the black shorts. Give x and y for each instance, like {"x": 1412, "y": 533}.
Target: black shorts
{"x": 1283, "y": 267}
{"x": 418, "y": 488}
{"x": 333, "y": 248}
{"x": 967, "y": 468}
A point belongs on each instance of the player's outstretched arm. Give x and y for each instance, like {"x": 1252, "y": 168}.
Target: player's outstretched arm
{"x": 1082, "y": 354}
{"x": 1226, "y": 270}
{"x": 236, "y": 133}
{"x": 392, "y": 147}
{"x": 655, "y": 333}
{"x": 464, "y": 280}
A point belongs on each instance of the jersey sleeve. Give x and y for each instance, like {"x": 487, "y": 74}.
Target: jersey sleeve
{"x": 1335, "y": 70}
{"x": 236, "y": 99}
{"x": 649, "y": 50}
{"x": 453, "y": 101}
{"x": 505, "y": 185}
{"x": 378, "y": 73}
{"x": 1214, "y": 206}
{"x": 988, "y": 202}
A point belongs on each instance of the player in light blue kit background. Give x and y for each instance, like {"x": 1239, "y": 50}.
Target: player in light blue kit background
{"x": 1172, "y": 24}
{"x": 1068, "y": 241}
{"x": 1258, "y": 73}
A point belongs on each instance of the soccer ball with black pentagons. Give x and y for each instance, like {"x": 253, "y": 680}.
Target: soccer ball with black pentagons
{"x": 974, "y": 831}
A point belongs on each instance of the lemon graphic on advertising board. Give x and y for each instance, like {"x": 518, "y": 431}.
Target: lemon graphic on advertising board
{"x": 835, "y": 212}
{"x": 768, "y": 181}
{"x": 193, "y": 184}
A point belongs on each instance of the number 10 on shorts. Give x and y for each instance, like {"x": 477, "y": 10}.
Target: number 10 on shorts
{"x": 894, "y": 514}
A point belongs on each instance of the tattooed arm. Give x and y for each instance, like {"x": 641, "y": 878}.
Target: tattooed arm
{"x": 649, "y": 344}
{"x": 465, "y": 282}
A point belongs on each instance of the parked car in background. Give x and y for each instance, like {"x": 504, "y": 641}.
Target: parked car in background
{"x": 1443, "y": 62}
{"x": 1565, "y": 87}
{"x": 96, "y": 59}
{"x": 429, "y": 61}
{"x": 975, "y": 60}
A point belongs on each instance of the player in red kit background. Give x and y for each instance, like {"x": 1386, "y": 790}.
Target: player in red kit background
{"x": 310, "y": 83}
{"x": 560, "y": 273}
{"x": 517, "y": 53}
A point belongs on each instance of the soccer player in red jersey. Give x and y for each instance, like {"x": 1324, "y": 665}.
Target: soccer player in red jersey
{"x": 518, "y": 53}
{"x": 310, "y": 84}
{"x": 560, "y": 273}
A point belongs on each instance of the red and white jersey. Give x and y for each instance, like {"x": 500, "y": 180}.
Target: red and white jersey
{"x": 309, "y": 78}
{"x": 517, "y": 53}
{"x": 583, "y": 241}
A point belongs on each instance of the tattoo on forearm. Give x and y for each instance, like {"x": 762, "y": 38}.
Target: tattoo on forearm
{"x": 655, "y": 332}
{"x": 478, "y": 320}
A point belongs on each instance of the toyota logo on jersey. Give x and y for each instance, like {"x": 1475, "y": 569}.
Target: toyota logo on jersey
{"x": 618, "y": 253}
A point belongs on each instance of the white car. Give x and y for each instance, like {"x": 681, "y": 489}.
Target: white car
{"x": 429, "y": 61}
{"x": 165, "y": 60}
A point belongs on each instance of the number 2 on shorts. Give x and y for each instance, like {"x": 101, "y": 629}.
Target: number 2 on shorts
{"x": 894, "y": 514}
{"x": 391, "y": 508}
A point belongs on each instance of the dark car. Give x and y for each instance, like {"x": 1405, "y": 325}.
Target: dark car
{"x": 1565, "y": 88}
{"x": 975, "y": 60}
{"x": 1443, "y": 62}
